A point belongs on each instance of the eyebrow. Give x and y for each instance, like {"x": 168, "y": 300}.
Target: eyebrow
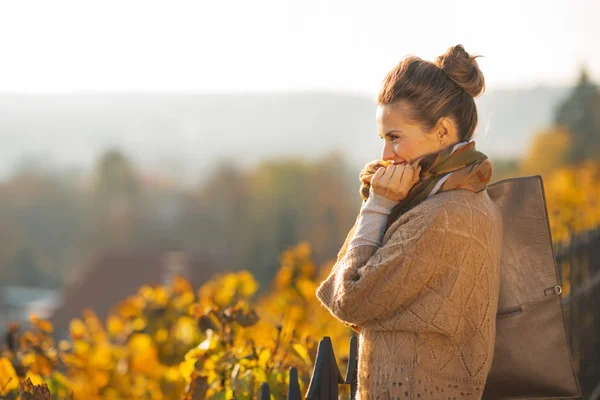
{"x": 392, "y": 131}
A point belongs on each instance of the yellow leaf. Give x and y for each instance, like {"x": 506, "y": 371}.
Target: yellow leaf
{"x": 8, "y": 377}
{"x": 307, "y": 287}
{"x": 102, "y": 357}
{"x": 284, "y": 276}
{"x": 28, "y": 359}
{"x": 101, "y": 378}
{"x": 302, "y": 352}
{"x": 115, "y": 325}
{"x": 131, "y": 306}
{"x": 81, "y": 347}
{"x": 161, "y": 296}
{"x": 260, "y": 376}
{"x": 180, "y": 285}
{"x": 264, "y": 356}
{"x": 42, "y": 324}
{"x": 172, "y": 374}
{"x": 161, "y": 335}
{"x": 140, "y": 342}
{"x": 184, "y": 329}
{"x": 186, "y": 367}
{"x": 77, "y": 329}
{"x": 139, "y": 323}
{"x": 248, "y": 284}
{"x": 35, "y": 378}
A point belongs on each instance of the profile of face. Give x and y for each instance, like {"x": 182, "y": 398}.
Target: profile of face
{"x": 405, "y": 140}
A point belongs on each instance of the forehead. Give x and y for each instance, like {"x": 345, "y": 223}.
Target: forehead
{"x": 392, "y": 114}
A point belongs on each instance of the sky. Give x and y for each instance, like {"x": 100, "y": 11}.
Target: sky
{"x": 278, "y": 45}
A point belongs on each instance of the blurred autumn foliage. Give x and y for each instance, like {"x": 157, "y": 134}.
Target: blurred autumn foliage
{"x": 567, "y": 155}
{"x": 243, "y": 217}
{"x": 219, "y": 342}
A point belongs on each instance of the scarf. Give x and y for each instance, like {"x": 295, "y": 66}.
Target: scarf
{"x": 460, "y": 166}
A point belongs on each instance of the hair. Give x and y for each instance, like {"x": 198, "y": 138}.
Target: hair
{"x": 432, "y": 90}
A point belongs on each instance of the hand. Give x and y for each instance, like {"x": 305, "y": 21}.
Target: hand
{"x": 395, "y": 181}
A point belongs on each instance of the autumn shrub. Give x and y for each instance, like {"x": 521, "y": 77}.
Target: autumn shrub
{"x": 171, "y": 342}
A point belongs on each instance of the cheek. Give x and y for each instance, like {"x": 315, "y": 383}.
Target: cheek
{"x": 406, "y": 147}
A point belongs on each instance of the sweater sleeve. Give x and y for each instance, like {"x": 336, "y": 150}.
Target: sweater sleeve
{"x": 369, "y": 283}
{"x": 372, "y": 221}
{"x": 368, "y": 229}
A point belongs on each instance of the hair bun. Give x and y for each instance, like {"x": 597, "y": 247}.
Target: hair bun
{"x": 462, "y": 68}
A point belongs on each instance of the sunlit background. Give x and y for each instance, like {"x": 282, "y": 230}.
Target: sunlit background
{"x": 147, "y": 140}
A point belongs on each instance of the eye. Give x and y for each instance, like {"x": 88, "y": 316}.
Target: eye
{"x": 391, "y": 137}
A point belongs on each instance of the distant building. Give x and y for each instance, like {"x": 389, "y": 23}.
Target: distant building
{"x": 114, "y": 276}
{"x": 17, "y": 303}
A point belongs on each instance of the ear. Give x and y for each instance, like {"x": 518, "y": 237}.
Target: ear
{"x": 446, "y": 130}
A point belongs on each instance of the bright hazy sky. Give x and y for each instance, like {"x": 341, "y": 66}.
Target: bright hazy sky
{"x": 263, "y": 45}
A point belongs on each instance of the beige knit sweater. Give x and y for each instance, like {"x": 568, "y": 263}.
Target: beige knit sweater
{"x": 425, "y": 301}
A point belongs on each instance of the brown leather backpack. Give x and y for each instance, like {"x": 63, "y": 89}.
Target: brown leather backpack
{"x": 532, "y": 356}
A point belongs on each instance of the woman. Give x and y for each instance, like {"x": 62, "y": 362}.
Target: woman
{"x": 418, "y": 274}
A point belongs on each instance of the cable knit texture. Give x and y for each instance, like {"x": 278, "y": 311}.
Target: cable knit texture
{"x": 425, "y": 301}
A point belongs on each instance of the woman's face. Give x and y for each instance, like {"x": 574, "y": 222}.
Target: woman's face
{"x": 406, "y": 141}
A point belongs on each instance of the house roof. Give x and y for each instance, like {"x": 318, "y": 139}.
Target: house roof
{"x": 115, "y": 275}
{"x": 21, "y": 295}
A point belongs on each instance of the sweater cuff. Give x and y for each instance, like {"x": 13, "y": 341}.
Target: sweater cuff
{"x": 327, "y": 289}
{"x": 372, "y": 221}
{"x": 378, "y": 204}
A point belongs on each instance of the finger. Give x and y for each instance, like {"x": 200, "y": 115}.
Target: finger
{"x": 377, "y": 176}
{"x": 407, "y": 177}
{"x": 397, "y": 186}
{"x": 389, "y": 173}
{"x": 400, "y": 173}
{"x": 416, "y": 175}
{"x": 416, "y": 164}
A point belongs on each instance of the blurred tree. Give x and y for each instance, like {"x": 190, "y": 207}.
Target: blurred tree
{"x": 504, "y": 168}
{"x": 548, "y": 151}
{"x": 117, "y": 206}
{"x": 26, "y": 270}
{"x": 296, "y": 201}
{"x": 572, "y": 195}
{"x": 116, "y": 184}
{"x": 580, "y": 115}
{"x": 245, "y": 219}
{"x": 214, "y": 217}
{"x": 40, "y": 210}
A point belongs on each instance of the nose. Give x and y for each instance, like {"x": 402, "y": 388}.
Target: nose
{"x": 388, "y": 154}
